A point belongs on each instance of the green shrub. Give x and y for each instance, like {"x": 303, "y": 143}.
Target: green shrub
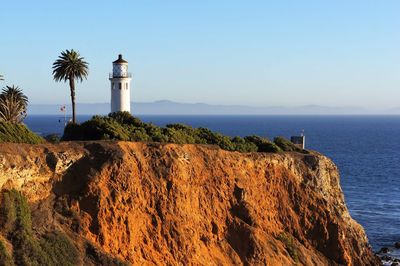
{"x": 126, "y": 118}
{"x": 180, "y": 127}
{"x": 54, "y": 248}
{"x": 138, "y": 134}
{"x": 263, "y": 144}
{"x": 8, "y": 213}
{"x": 184, "y": 134}
{"x": 26, "y": 248}
{"x": 5, "y": 258}
{"x": 105, "y": 129}
{"x": 179, "y": 136}
{"x": 16, "y": 211}
{"x": 215, "y": 138}
{"x": 97, "y": 257}
{"x": 18, "y": 133}
{"x": 52, "y": 138}
{"x": 287, "y": 145}
{"x": 290, "y": 246}
{"x": 73, "y": 132}
{"x": 243, "y": 145}
{"x": 123, "y": 126}
{"x": 155, "y": 133}
{"x": 97, "y": 128}
{"x": 59, "y": 248}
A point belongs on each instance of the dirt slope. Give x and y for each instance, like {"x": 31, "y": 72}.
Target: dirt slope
{"x": 152, "y": 204}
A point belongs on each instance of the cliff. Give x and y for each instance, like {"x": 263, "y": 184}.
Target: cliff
{"x": 171, "y": 204}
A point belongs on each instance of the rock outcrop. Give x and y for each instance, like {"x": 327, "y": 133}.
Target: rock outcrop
{"x": 168, "y": 204}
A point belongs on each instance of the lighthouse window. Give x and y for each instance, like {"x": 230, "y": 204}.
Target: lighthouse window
{"x": 126, "y": 86}
{"x": 120, "y": 86}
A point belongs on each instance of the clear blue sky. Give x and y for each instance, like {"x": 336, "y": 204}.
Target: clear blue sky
{"x": 261, "y": 53}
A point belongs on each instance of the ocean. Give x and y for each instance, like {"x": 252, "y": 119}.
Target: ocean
{"x": 366, "y": 150}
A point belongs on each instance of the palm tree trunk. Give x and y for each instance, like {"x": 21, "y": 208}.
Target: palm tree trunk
{"x": 72, "y": 87}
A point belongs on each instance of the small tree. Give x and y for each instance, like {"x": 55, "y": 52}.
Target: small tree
{"x": 13, "y": 104}
{"x": 70, "y": 66}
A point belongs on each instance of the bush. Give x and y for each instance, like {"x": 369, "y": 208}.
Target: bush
{"x": 180, "y": 133}
{"x": 290, "y": 246}
{"x": 123, "y": 126}
{"x": 179, "y": 136}
{"x": 287, "y": 145}
{"x": 26, "y": 249}
{"x": 155, "y": 133}
{"x": 59, "y": 248}
{"x": 97, "y": 128}
{"x": 54, "y": 248}
{"x": 180, "y": 127}
{"x": 5, "y": 258}
{"x": 16, "y": 210}
{"x": 209, "y": 137}
{"x": 73, "y": 131}
{"x": 263, "y": 144}
{"x": 99, "y": 258}
{"x": 105, "y": 129}
{"x": 8, "y": 212}
{"x": 18, "y": 133}
{"x": 52, "y": 138}
{"x": 138, "y": 134}
{"x": 243, "y": 145}
{"x": 126, "y": 118}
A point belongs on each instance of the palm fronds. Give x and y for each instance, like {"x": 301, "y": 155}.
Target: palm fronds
{"x": 70, "y": 65}
{"x": 13, "y": 104}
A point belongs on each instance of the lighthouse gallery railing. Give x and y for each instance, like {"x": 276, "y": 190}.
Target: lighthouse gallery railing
{"x": 126, "y": 75}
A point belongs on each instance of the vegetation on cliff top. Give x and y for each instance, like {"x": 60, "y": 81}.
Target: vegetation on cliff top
{"x": 18, "y": 133}
{"x": 123, "y": 126}
{"x": 13, "y": 104}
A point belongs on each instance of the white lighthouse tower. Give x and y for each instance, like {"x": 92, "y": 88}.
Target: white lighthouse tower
{"x": 120, "y": 86}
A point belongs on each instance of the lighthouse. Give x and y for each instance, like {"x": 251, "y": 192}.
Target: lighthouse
{"x": 120, "y": 80}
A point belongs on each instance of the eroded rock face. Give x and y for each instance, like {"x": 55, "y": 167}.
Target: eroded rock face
{"x": 190, "y": 204}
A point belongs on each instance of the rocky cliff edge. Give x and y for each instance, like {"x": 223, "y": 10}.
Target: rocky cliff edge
{"x": 168, "y": 204}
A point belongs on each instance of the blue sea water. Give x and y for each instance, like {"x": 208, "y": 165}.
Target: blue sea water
{"x": 365, "y": 148}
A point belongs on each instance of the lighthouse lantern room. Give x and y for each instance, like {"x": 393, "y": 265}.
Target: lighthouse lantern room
{"x": 120, "y": 80}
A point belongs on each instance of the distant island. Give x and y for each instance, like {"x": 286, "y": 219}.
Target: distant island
{"x": 166, "y": 107}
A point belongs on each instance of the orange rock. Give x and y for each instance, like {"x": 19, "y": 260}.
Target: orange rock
{"x": 168, "y": 204}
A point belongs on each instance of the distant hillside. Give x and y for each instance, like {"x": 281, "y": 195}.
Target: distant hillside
{"x": 175, "y": 108}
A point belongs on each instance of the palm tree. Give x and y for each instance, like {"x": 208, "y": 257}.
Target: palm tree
{"x": 13, "y": 104}
{"x": 70, "y": 66}
{"x": 1, "y": 77}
